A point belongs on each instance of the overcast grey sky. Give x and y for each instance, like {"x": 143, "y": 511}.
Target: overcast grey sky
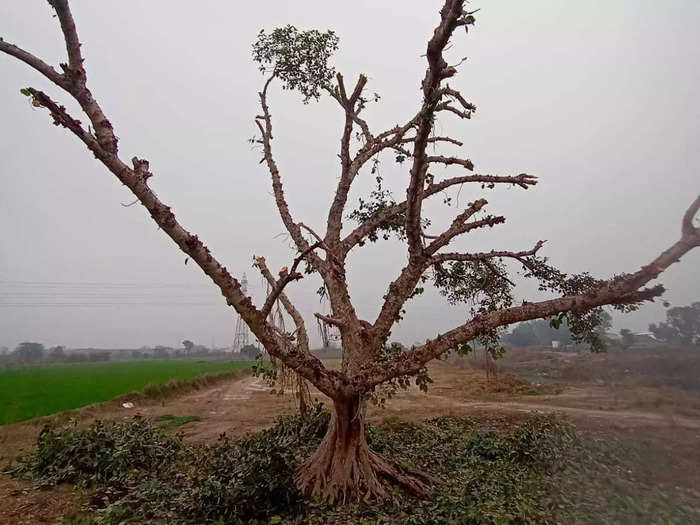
{"x": 597, "y": 98}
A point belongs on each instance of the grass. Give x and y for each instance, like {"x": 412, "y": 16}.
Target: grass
{"x": 172, "y": 421}
{"x": 31, "y": 392}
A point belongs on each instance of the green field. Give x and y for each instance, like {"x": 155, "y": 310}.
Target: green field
{"x": 42, "y": 390}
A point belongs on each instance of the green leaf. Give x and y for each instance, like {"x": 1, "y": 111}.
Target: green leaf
{"x": 464, "y": 349}
{"x": 25, "y": 92}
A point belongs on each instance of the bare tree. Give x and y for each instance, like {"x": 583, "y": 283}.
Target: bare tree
{"x": 344, "y": 468}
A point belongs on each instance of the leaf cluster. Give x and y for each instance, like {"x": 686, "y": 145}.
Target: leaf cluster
{"x": 586, "y": 327}
{"x": 378, "y": 201}
{"x": 298, "y": 58}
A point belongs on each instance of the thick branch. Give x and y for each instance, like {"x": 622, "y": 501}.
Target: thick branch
{"x": 349, "y": 168}
{"x": 437, "y": 71}
{"x": 104, "y": 148}
{"x": 620, "y": 290}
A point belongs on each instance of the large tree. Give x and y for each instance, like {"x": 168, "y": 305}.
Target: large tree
{"x": 682, "y": 325}
{"x": 344, "y": 467}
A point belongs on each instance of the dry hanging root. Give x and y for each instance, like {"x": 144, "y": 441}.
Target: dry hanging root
{"x": 287, "y": 379}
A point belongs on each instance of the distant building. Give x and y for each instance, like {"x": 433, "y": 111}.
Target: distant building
{"x": 644, "y": 340}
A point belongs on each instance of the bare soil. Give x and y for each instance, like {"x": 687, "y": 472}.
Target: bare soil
{"x": 656, "y": 412}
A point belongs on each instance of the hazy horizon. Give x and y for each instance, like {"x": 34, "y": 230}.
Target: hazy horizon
{"x": 597, "y": 99}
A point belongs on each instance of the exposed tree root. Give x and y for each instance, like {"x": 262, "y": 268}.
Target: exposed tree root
{"x": 344, "y": 469}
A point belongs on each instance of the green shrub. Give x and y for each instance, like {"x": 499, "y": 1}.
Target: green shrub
{"x": 106, "y": 452}
{"x": 253, "y": 478}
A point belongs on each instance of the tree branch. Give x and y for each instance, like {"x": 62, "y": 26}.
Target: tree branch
{"x": 438, "y": 70}
{"x": 302, "y": 335}
{"x": 278, "y": 190}
{"x": 349, "y": 167}
{"x": 286, "y": 276}
{"x": 459, "y": 225}
{"x": 34, "y": 62}
{"x": 363, "y": 230}
{"x": 330, "y": 320}
{"x": 70, "y": 35}
{"x": 624, "y": 289}
{"x": 443, "y": 257}
{"x": 446, "y": 106}
{"x": 447, "y": 161}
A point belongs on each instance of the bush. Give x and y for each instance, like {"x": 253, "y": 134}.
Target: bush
{"x": 253, "y": 478}
{"x": 104, "y": 453}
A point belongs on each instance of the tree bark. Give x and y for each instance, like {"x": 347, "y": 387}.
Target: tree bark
{"x": 345, "y": 469}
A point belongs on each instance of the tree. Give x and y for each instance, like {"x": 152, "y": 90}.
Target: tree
{"x": 627, "y": 338}
{"x": 523, "y": 335}
{"x": 57, "y": 353}
{"x": 540, "y": 332}
{"x": 682, "y": 325}
{"x": 161, "y": 352}
{"x": 29, "y": 351}
{"x": 344, "y": 467}
{"x": 188, "y": 346}
{"x": 250, "y": 352}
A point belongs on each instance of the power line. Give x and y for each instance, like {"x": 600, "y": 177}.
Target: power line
{"x": 70, "y": 305}
{"x": 98, "y": 283}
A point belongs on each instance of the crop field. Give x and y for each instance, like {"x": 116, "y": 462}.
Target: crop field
{"x": 42, "y": 390}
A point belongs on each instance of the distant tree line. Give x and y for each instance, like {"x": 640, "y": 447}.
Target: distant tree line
{"x": 29, "y": 352}
{"x": 543, "y": 332}
{"x": 682, "y": 325}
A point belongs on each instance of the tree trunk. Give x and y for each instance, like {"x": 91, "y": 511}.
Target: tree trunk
{"x": 344, "y": 469}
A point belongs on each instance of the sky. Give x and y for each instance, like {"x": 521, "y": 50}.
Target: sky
{"x": 598, "y": 99}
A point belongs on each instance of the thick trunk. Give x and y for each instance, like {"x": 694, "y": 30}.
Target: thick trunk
{"x": 344, "y": 469}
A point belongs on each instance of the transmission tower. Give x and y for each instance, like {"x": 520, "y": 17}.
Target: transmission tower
{"x": 242, "y": 336}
